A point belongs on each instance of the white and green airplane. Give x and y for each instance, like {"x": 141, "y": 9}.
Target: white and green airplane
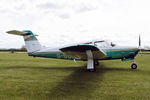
{"x": 90, "y": 52}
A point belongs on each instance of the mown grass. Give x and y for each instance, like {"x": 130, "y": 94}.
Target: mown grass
{"x": 28, "y": 78}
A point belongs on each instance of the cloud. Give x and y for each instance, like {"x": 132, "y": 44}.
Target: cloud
{"x": 85, "y": 8}
{"x": 55, "y": 9}
{"x": 64, "y": 16}
{"x": 64, "y": 21}
{"x": 21, "y": 7}
{"x": 50, "y": 5}
{"x": 65, "y": 9}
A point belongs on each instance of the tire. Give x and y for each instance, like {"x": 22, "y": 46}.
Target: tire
{"x": 91, "y": 70}
{"x": 134, "y": 66}
{"x": 96, "y": 62}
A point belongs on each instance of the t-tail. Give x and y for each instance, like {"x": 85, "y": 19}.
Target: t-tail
{"x": 31, "y": 42}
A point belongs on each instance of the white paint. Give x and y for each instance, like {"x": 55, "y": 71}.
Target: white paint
{"x": 32, "y": 46}
{"x": 90, "y": 64}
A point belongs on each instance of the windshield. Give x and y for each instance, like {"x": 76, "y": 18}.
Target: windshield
{"x": 102, "y": 44}
{"x": 88, "y": 43}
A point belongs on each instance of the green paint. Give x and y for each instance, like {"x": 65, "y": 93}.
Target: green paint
{"x": 57, "y": 55}
{"x": 127, "y": 59}
{"x": 31, "y": 37}
{"x": 121, "y": 54}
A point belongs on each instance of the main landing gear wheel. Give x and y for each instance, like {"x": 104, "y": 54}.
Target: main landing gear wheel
{"x": 91, "y": 70}
{"x": 90, "y": 63}
{"x": 134, "y": 66}
{"x": 96, "y": 62}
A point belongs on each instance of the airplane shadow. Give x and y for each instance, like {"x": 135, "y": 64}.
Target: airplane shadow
{"x": 99, "y": 69}
{"x": 39, "y": 67}
{"x": 79, "y": 83}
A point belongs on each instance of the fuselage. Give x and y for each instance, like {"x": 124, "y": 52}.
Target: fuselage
{"x": 117, "y": 52}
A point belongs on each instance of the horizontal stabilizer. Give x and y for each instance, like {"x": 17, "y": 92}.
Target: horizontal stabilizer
{"x": 15, "y": 32}
{"x": 21, "y": 33}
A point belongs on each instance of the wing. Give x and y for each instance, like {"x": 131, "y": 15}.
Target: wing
{"x": 79, "y": 51}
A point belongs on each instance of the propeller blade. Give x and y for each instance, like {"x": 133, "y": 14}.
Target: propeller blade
{"x": 139, "y": 40}
{"x": 140, "y": 43}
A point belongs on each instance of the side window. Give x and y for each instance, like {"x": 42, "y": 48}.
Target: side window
{"x": 112, "y": 44}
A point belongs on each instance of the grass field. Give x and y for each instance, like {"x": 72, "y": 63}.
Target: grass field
{"x": 28, "y": 78}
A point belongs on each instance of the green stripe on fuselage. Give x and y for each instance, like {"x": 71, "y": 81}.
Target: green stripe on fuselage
{"x": 119, "y": 54}
{"x": 57, "y": 55}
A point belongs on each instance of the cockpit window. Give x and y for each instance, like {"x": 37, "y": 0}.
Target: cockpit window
{"x": 88, "y": 43}
{"x": 112, "y": 44}
{"x": 98, "y": 41}
{"x": 102, "y": 44}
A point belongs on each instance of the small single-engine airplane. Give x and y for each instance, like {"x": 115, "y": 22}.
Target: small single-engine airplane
{"x": 90, "y": 51}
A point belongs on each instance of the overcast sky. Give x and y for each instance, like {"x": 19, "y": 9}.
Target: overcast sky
{"x": 62, "y": 22}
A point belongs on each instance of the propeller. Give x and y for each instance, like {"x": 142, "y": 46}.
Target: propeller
{"x": 140, "y": 43}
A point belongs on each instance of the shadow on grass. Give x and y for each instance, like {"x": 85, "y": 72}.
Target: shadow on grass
{"x": 81, "y": 69}
{"x": 39, "y": 68}
{"x": 79, "y": 84}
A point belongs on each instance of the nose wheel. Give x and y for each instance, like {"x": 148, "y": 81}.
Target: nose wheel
{"x": 134, "y": 66}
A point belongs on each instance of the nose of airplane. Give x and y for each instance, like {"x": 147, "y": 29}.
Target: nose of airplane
{"x": 136, "y": 50}
{"x": 133, "y": 48}
{"x": 133, "y": 51}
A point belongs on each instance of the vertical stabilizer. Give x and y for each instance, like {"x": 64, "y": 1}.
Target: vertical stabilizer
{"x": 31, "y": 42}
